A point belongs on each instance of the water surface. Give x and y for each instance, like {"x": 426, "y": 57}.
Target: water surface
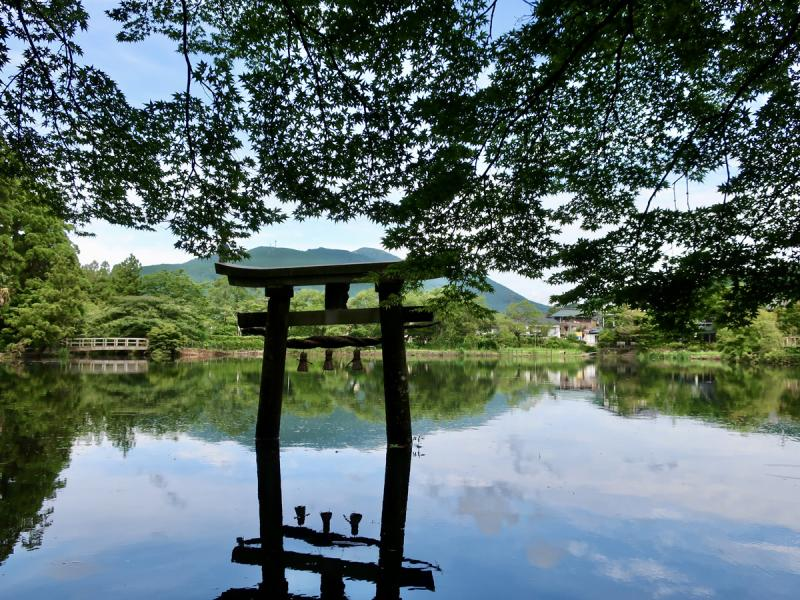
{"x": 526, "y": 480}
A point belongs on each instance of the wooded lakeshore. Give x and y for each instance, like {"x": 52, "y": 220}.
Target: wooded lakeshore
{"x": 50, "y": 297}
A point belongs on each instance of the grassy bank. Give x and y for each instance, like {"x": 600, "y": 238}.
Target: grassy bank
{"x": 784, "y": 357}
{"x": 411, "y": 353}
{"x": 671, "y": 355}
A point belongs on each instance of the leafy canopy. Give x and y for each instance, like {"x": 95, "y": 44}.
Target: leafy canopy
{"x": 41, "y": 283}
{"x": 474, "y": 150}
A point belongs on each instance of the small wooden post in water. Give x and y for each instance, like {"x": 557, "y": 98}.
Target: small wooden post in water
{"x": 395, "y": 369}
{"x": 268, "y": 424}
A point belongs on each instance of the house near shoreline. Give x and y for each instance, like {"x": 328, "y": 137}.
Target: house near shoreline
{"x": 572, "y": 322}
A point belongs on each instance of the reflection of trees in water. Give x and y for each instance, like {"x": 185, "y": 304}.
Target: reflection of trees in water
{"x": 171, "y": 399}
{"x": 437, "y": 392}
{"x": 735, "y": 398}
{"x": 224, "y": 395}
{"x": 45, "y": 409}
{"x": 38, "y": 424}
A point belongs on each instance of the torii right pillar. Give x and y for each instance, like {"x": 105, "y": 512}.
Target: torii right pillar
{"x": 395, "y": 368}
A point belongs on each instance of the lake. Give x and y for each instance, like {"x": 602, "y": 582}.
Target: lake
{"x": 526, "y": 480}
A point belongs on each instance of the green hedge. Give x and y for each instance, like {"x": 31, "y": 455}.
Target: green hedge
{"x": 233, "y": 342}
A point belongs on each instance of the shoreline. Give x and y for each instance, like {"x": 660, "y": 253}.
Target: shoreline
{"x": 663, "y": 357}
{"x": 193, "y": 354}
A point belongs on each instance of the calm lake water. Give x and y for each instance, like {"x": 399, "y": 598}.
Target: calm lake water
{"x": 526, "y": 481}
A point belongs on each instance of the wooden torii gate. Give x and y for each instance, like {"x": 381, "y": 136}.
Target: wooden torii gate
{"x": 279, "y": 283}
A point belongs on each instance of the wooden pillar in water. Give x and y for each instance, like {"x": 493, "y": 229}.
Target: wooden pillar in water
{"x": 270, "y": 513}
{"x": 393, "y": 522}
{"x": 395, "y": 369}
{"x": 268, "y": 424}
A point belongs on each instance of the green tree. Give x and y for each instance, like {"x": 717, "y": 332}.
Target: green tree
{"x": 456, "y": 147}
{"x": 126, "y": 277}
{"x": 367, "y": 299}
{"x": 789, "y": 318}
{"x": 98, "y": 280}
{"x": 308, "y": 299}
{"x": 225, "y": 300}
{"x": 755, "y": 342}
{"x": 630, "y": 326}
{"x": 463, "y": 325}
{"x": 176, "y": 285}
{"x": 136, "y": 316}
{"x": 42, "y": 281}
{"x": 165, "y": 341}
{"x": 524, "y": 319}
{"x": 49, "y": 309}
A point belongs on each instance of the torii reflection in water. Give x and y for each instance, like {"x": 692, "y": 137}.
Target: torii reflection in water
{"x": 390, "y": 574}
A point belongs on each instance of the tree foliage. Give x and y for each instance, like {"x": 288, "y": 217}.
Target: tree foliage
{"x": 43, "y": 296}
{"x": 474, "y": 150}
{"x": 630, "y": 327}
{"x": 136, "y": 316}
{"x": 524, "y": 319}
{"x": 759, "y": 341}
{"x": 165, "y": 341}
{"x": 789, "y": 318}
{"x": 125, "y": 278}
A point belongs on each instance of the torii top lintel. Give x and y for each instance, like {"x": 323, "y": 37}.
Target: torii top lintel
{"x": 273, "y": 277}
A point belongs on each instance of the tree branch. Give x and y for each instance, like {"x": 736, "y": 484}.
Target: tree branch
{"x": 517, "y": 112}
{"x": 187, "y": 100}
{"x": 721, "y": 117}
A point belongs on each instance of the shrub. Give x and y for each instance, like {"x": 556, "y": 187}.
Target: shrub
{"x": 165, "y": 340}
{"x": 760, "y": 340}
{"x": 234, "y": 342}
{"x": 563, "y": 343}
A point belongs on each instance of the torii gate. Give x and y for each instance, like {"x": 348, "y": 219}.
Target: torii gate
{"x": 267, "y": 550}
{"x": 279, "y": 283}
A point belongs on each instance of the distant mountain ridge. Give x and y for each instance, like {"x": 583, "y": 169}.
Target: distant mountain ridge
{"x": 202, "y": 269}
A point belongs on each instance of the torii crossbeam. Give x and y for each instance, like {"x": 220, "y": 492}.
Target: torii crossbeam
{"x": 279, "y": 283}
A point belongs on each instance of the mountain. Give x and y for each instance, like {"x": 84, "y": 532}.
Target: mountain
{"x": 266, "y": 256}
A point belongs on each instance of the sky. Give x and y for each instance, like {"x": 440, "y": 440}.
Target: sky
{"x": 154, "y": 69}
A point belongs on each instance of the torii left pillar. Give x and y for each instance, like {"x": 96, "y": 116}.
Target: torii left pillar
{"x": 270, "y": 399}
{"x": 268, "y": 428}
{"x": 395, "y": 368}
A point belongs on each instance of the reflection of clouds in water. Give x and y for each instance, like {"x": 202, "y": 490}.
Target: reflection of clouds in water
{"x": 658, "y": 467}
{"x": 544, "y": 555}
{"x": 666, "y": 581}
{"x": 530, "y": 402}
{"x": 173, "y": 499}
{"x": 527, "y": 459}
{"x": 222, "y": 454}
{"x": 69, "y": 570}
{"x": 771, "y": 557}
{"x": 489, "y": 506}
{"x": 637, "y": 568}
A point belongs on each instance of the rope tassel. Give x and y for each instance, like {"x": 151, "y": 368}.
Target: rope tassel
{"x": 356, "y": 364}
{"x": 328, "y": 366}
{"x": 302, "y": 367}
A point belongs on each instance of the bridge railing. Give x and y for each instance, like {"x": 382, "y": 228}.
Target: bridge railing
{"x": 792, "y": 341}
{"x": 106, "y": 343}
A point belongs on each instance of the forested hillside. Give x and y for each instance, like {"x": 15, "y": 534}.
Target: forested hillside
{"x": 202, "y": 270}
